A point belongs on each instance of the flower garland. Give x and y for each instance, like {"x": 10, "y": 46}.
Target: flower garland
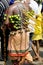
{"x": 15, "y": 20}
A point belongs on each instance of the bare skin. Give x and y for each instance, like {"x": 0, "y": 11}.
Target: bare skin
{"x": 36, "y": 52}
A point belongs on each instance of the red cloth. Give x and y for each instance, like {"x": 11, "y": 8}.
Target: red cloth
{"x": 19, "y": 54}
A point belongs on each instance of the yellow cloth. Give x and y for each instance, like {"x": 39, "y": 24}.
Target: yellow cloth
{"x": 42, "y": 26}
{"x": 38, "y": 29}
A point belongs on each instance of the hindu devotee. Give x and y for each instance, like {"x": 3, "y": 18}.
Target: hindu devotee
{"x": 38, "y": 28}
{"x": 18, "y": 44}
{"x": 36, "y": 10}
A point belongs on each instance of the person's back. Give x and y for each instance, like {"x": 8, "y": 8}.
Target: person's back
{"x": 20, "y": 40}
